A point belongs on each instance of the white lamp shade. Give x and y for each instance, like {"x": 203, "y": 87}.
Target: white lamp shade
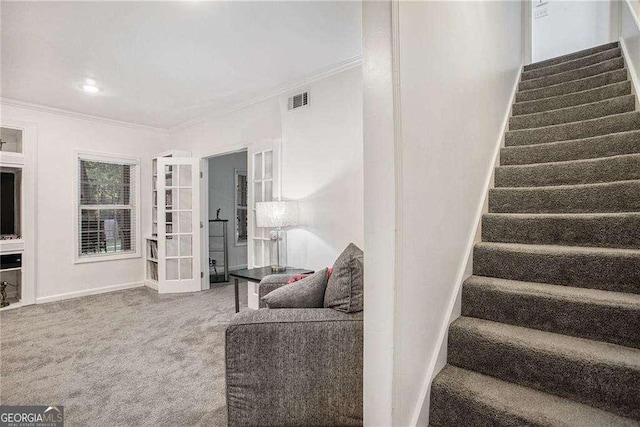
{"x": 277, "y": 214}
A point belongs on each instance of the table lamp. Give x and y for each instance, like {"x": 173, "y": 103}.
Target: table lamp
{"x": 276, "y": 215}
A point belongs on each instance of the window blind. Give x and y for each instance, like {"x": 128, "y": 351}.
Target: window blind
{"x": 107, "y": 207}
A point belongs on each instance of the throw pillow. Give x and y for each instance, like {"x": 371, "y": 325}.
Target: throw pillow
{"x": 345, "y": 287}
{"x": 306, "y": 293}
{"x": 299, "y": 277}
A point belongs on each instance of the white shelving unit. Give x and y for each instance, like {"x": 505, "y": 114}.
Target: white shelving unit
{"x": 17, "y": 248}
{"x": 172, "y": 251}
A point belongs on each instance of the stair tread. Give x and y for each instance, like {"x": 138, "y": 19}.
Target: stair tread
{"x": 619, "y": 168}
{"x": 568, "y": 187}
{"x": 571, "y": 162}
{"x": 566, "y": 95}
{"x": 614, "y": 50}
{"x": 582, "y": 349}
{"x": 543, "y": 128}
{"x": 570, "y": 56}
{"x": 594, "y": 147}
{"x": 558, "y": 249}
{"x": 575, "y": 215}
{"x": 505, "y": 399}
{"x": 567, "y": 76}
{"x": 568, "y": 293}
{"x": 525, "y": 92}
{"x": 557, "y": 111}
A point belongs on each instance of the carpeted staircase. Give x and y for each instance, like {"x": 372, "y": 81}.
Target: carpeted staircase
{"x": 550, "y": 326}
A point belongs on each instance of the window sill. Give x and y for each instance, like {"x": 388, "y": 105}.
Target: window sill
{"x": 102, "y": 257}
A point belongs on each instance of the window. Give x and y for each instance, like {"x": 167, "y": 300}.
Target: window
{"x": 241, "y": 208}
{"x": 107, "y": 208}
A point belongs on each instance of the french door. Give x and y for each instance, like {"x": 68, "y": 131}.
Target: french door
{"x": 179, "y": 261}
{"x": 264, "y": 186}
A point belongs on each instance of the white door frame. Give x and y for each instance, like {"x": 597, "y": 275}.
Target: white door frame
{"x": 204, "y": 196}
{"x": 29, "y": 207}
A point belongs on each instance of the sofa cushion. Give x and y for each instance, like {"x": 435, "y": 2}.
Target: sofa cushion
{"x": 345, "y": 287}
{"x": 305, "y": 293}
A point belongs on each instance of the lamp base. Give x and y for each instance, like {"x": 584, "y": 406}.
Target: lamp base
{"x": 278, "y": 250}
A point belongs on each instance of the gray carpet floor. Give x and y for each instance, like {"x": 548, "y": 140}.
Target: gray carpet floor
{"x": 125, "y": 358}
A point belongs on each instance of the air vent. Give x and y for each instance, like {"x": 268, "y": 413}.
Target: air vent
{"x": 299, "y": 100}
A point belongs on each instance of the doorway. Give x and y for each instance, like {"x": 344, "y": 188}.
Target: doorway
{"x": 226, "y": 230}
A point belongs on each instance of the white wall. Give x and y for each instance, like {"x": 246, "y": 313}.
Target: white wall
{"x": 380, "y": 192}
{"x": 222, "y": 195}
{"x": 58, "y": 138}
{"x": 459, "y": 62}
{"x": 322, "y": 168}
{"x": 571, "y": 26}
{"x": 321, "y": 160}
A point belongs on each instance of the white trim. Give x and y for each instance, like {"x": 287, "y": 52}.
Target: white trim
{"x": 396, "y": 385}
{"x": 275, "y": 91}
{"x": 76, "y": 115}
{"x": 467, "y": 262}
{"x": 116, "y": 256}
{"x": 87, "y": 292}
{"x": 633, "y": 73}
{"x": 108, "y": 157}
{"x": 116, "y": 159}
{"x": 151, "y": 284}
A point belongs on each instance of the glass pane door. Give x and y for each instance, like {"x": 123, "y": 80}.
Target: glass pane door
{"x": 179, "y": 224}
{"x": 263, "y": 187}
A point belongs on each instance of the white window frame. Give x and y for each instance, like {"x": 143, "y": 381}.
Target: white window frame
{"x": 237, "y": 206}
{"x": 108, "y": 158}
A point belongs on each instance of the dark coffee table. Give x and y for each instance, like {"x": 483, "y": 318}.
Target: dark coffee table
{"x": 257, "y": 274}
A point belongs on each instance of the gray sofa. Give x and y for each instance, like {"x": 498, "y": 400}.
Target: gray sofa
{"x": 294, "y": 367}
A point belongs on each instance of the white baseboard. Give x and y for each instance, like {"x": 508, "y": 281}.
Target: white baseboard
{"x": 439, "y": 355}
{"x": 151, "y": 284}
{"x": 87, "y": 292}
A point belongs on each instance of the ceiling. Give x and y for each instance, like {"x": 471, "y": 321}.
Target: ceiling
{"x": 162, "y": 64}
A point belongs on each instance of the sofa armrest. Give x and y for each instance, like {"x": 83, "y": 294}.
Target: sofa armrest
{"x": 271, "y": 283}
{"x": 294, "y": 367}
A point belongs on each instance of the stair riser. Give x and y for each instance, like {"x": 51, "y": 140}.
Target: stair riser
{"x": 573, "y": 99}
{"x": 573, "y": 86}
{"x": 600, "y": 322}
{"x": 564, "y": 132}
{"x": 605, "y": 232}
{"x": 615, "y": 197}
{"x": 570, "y": 173}
{"x": 572, "y": 65}
{"x": 589, "y": 148}
{"x": 619, "y": 272}
{"x": 574, "y": 114}
{"x": 603, "y": 67}
{"x": 608, "y": 386}
{"x": 570, "y": 57}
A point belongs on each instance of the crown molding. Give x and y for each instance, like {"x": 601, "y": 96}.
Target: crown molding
{"x": 274, "y": 91}
{"x": 73, "y": 114}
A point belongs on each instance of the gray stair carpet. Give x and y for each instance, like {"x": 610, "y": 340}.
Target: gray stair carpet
{"x": 550, "y": 326}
